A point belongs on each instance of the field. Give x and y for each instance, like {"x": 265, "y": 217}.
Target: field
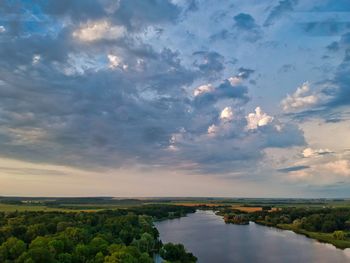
{"x": 101, "y": 203}
{"x": 248, "y": 209}
{"x": 20, "y": 208}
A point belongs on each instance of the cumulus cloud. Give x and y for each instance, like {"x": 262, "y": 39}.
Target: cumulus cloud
{"x": 301, "y": 99}
{"x": 114, "y": 61}
{"x": 226, "y": 114}
{"x": 203, "y": 89}
{"x": 258, "y": 119}
{"x": 99, "y": 30}
{"x": 2, "y": 29}
{"x": 36, "y": 59}
{"x": 212, "y": 129}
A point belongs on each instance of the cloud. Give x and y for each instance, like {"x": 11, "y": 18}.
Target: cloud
{"x": 114, "y": 61}
{"x": 283, "y": 7}
{"x": 293, "y": 168}
{"x": 99, "y": 30}
{"x": 245, "y": 73}
{"x": 212, "y": 129}
{"x": 209, "y": 62}
{"x": 309, "y": 152}
{"x": 258, "y": 119}
{"x": 338, "y": 89}
{"x": 228, "y": 89}
{"x": 36, "y": 59}
{"x": 301, "y": 99}
{"x": 118, "y": 84}
{"x": 203, "y": 89}
{"x": 244, "y": 21}
{"x": 246, "y": 27}
{"x": 341, "y": 167}
{"x": 134, "y": 14}
{"x": 226, "y": 114}
{"x": 2, "y": 29}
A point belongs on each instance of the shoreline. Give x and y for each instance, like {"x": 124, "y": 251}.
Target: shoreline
{"x": 318, "y": 236}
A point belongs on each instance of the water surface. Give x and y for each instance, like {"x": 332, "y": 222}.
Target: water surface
{"x": 211, "y": 240}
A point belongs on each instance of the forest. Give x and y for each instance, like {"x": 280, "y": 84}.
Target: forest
{"x": 108, "y": 236}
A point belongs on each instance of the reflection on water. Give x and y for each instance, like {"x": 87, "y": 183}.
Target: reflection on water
{"x": 211, "y": 240}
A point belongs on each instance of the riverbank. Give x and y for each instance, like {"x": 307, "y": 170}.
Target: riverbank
{"x": 321, "y": 237}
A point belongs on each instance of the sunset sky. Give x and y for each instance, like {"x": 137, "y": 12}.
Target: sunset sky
{"x": 175, "y": 98}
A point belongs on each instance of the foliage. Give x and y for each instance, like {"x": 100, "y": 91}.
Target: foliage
{"x": 176, "y": 253}
{"x": 339, "y": 235}
{"x": 125, "y": 235}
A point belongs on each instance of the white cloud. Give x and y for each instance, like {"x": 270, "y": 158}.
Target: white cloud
{"x": 235, "y": 81}
{"x": 300, "y": 100}
{"x": 226, "y": 114}
{"x": 258, "y": 119}
{"x": 2, "y": 29}
{"x": 36, "y": 59}
{"x": 213, "y": 129}
{"x": 309, "y": 152}
{"x": 203, "y": 89}
{"x": 114, "y": 61}
{"x": 98, "y": 30}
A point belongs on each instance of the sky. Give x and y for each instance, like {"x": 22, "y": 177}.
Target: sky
{"x": 175, "y": 98}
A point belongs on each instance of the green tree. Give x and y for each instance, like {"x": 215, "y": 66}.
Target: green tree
{"x": 12, "y": 249}
{"x": 176, "y": 253}
{"x": 64, "y": 258}
{"x": 81, "y": 253}
{"x": 40, "y": 255}
{"x": 329, "y": 226}
{"x": 98, "y": 244}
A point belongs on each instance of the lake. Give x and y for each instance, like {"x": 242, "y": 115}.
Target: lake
{"x": 211, "y": 240}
